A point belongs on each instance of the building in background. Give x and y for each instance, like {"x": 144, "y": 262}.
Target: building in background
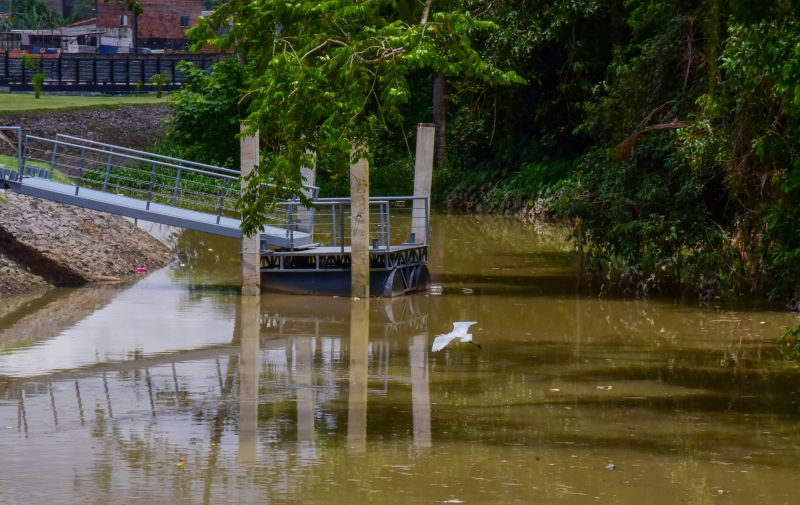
{"x": 112, "y": 29}
{"x": 161, "y": 26}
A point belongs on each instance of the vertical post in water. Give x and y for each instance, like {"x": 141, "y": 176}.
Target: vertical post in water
{"x": 251, "y": 255}
{"x": 359, "y": 224}
{"x": 423, "y": 174}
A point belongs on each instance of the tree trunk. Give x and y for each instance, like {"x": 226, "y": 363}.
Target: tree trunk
{"x": 440, "y": 118}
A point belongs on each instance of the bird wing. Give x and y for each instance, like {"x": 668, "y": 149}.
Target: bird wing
{"x": 462, "y": 327}
{"x": 441, "y": 341}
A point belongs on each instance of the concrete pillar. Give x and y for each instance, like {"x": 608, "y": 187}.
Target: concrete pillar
{"x": 420, "y": 390}
{"x": 423, "y": 175}
{"x": 359, "y": 228}
{"x": 305, "y": 215}
{"x": 251, "y": 255}
{"x": 359, "y": 361}
{"x": 250, "y": 328}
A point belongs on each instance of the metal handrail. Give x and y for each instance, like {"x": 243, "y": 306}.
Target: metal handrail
{"x": 129, "y": 157}
{"x": 182, "y": 163}
{"x": 153, "y": 155}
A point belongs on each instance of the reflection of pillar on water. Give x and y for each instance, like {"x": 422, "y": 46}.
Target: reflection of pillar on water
{"x": 420, "y": 392}
{"x": 53, "y": 403}
{"x": 22, "y": 418}
{"x": 80, "y": 402}
{"x": 359, "y": 356}
{"x": 149, "y": 382}
{"x": 108, "y": 395}
{"x": 250, "y": 327}
{"x": 304, "y": 356}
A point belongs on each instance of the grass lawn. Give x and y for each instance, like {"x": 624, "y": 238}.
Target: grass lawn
{"x": 24, "y": 102}
{"x": 10, "y": 162}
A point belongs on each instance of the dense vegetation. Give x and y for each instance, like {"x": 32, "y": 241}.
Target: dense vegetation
{"x": 34, "y": 15}
{"x": 664, "y": 130}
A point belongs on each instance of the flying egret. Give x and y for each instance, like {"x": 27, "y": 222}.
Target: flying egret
{"x": 460, "y": 332}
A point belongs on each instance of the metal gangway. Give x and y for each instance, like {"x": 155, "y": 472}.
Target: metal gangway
{"x": 143, "y": 185}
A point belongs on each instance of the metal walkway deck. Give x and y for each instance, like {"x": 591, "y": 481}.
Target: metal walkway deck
{"x": 148, "y": 211}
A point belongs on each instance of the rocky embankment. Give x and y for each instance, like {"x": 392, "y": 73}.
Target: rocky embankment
{"x": 45, "y": 244}
{"x": 134, "y": 126}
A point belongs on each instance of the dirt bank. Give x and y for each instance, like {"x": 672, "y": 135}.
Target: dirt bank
{"x": 135, "y": 126}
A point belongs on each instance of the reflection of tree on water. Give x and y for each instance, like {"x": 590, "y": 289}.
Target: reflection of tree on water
{"x": 205, "y": 260}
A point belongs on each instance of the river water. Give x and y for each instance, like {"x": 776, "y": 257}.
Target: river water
{"x": 174, "y": 389}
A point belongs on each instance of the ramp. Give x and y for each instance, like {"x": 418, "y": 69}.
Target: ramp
{"x": 143, "y": 185}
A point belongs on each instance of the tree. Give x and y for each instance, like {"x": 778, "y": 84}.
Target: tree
{"x": 205, "y": 114}
{"x": 328, "y": 74}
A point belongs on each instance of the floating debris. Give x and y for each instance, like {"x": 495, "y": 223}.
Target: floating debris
{"x": 467, "y": 291}
{"x": 605, "y": 388}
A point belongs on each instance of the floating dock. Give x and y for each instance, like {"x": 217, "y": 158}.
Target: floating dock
{"x": 304, "y": 248}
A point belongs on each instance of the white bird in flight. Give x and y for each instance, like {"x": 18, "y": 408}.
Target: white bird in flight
{"x": 460, "y": 332}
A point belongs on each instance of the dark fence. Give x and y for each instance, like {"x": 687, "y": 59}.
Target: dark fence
{"x": 101, "y": 72}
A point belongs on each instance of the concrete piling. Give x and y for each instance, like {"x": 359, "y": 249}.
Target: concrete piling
{"x": 251, "y": 255}
{"x": 423, "y": 175}
{"x": 359, "y": 226}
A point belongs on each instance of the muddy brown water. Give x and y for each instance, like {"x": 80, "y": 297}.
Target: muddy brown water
{"x": 177, "y": 390}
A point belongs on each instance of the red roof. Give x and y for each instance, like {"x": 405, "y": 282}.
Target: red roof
{"x": 85, "y": 22}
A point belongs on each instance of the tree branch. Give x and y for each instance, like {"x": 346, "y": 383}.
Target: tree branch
{"x": 425, "y": 12}
{"x": 323, "y": 46}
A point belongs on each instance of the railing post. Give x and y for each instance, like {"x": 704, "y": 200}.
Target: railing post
{"x": 80, "y": 171}
{"x": 333, "y": 221}
{"x": 108, "y": 168}
{"x": 221, "y": 204}
{"x": 177, "y": 184}
{"x": 290, "y": 228}
{"x": 53, "y": 161}
{"x": 127, "y": 71}
{"x": 152, "y": 183}
{"x": 341, "y": 225}
{"x": 111, "y": 69}
{"x": 427, "y": 221}
{"x": 382, "y": 226}
{"x": 94, "y": 70}
{"x": 24, "y": 157}
{"x": 388, "y": 227}
{"x": 60, "y": 70}
{"x": 77, "y": 71}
